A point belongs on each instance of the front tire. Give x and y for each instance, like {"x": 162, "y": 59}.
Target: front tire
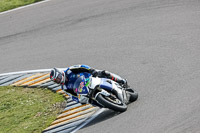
{"x": 133, "y": 95}
{"x": 103, "y": 100}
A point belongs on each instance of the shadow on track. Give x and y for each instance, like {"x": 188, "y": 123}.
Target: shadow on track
{"x": 105, "y": 115}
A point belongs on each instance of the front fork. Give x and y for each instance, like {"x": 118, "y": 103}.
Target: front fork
{"x": 120, "y": 92}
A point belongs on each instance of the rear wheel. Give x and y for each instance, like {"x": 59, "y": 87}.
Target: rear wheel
{"x": 111, "y": 102}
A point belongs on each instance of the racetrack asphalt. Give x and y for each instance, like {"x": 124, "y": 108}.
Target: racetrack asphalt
{"x": 155, "y": 44}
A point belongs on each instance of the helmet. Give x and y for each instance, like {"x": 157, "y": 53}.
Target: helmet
{"x": 57, "y": 76}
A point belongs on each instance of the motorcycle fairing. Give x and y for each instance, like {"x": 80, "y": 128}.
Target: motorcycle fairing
{"x": 106, "y": 84}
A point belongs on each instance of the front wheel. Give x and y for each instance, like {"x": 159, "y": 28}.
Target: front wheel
{"x": 133, "y": 94}
{"x": 111, "y": 102}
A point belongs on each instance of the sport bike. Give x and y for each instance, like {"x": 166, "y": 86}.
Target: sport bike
{"x": 104, "y": 93}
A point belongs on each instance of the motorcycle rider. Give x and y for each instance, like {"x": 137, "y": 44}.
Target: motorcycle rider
{"x": 68, "y": 77}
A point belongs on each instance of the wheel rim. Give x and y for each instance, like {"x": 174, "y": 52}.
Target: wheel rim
{"x": 112, "y": 98}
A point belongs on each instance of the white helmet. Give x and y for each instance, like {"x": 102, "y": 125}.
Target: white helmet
{"x": 57, "y": 76}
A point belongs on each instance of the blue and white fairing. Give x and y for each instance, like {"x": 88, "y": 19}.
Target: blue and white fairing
{"x": 82, "y": 84}
{"x": 81, "y": 87}
{"x": 106, "y": 84}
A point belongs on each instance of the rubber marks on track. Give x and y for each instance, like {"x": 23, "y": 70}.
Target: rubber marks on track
{"x": 74, "y": 114}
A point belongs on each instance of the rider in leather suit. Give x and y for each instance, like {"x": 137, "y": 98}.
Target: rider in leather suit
{"x": 68, "y": 77}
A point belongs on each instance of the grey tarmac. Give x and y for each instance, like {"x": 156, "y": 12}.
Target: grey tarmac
{"x": 155, "y": 44}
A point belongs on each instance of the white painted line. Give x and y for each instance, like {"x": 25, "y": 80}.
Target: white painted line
{"x": 29, "y": 71}
{"x": 25, "y": 6}
{"x": 89, "y": 120}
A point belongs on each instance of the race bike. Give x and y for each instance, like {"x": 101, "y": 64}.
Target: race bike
{"x": 104, "y": 93}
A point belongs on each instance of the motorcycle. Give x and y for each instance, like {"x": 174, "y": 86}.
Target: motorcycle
{"x": 104, "y": 93}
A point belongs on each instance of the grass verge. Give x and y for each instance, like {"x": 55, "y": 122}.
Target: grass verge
{"x": 28, "y": 110}
{"x": 10, "y": 4}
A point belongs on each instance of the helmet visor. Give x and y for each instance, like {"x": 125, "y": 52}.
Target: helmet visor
{"x": 58, "y": 78}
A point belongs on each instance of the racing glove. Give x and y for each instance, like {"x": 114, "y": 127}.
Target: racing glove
{"x": 93, "y": 72}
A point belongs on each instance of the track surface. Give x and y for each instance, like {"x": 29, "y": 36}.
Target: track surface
{"x": 153, "y": 43}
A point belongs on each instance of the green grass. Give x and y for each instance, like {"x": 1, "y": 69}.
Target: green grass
{"x": 28, "y": 110}
{"x": 10, "y": 4}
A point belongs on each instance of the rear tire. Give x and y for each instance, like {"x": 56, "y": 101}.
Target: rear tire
{"x": 109, "y": 104}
